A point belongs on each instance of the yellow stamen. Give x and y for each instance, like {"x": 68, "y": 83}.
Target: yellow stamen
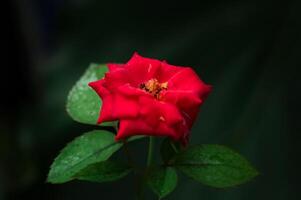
{"x": 153, "y": 87}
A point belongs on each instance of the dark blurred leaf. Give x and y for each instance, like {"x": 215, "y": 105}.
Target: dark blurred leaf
{"x": 83, "y": 104}
{"x": 92, "y": 147}
{"x": 136, "y": 137}
{"x": 215, "y": 165}
{"x": 168, "y": 149}
{"x": 103, "y": 172}
{"x": 162, "y": 180}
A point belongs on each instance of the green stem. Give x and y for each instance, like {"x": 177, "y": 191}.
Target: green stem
{"x": 174, "y": 147}
{"x": 128, "y": 154}
{"x": 150, "y": 151}
{"x": 140, "y": 187}
{"x": 141, "y": 179}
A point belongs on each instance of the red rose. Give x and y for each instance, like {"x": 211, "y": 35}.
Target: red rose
{"x": 151, "y": 97}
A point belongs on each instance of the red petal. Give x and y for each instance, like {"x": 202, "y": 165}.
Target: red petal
{"x": 131, "y": 127}
{"x": 155, "y": 112}
{"x": 166, "y": 71}
{"x": 188, "y": 80}
{"x": 104, "y": 94}
{"x": 115, "y": 105}
{"x": 113, "y": 66}
{"x": 116, "y": 78}
{"x": 141, "y": 69}
{"x": 127, "y": 89}
{"x": 186, "y": 101}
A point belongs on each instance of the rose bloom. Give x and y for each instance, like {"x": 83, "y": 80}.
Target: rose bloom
{"x": 151, "y": 97}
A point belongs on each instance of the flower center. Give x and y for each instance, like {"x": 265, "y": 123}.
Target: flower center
{"x": 153, "y": 87}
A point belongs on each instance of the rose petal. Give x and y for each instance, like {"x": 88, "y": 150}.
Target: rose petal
{"x": 187, "y": 79}
{"x": 141, "y": 69}
{"x": 113, "y": 66}
{"x": 166, "y": 71}
{"x": 105, "y": 95}
{"x": 155, "y": 112}
{"x": 129, "y": 127}
{"x": 115, "y": 105}
{"x": 116, "y": 78}
{"x": 186, "y": 101}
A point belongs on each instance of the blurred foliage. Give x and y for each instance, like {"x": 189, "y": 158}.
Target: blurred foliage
{"x": 248, "y": 50}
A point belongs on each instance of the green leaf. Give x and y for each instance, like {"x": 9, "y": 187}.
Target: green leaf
{"x": 215, "y": 165}
{"x": 92, "y": 147}
{"x": 103, "y": 172}
{"x": 168, "y": 150}
{"x": 162, "y": 180}
{"x": 135, "y": 137}
{"x": 83, "y": 104}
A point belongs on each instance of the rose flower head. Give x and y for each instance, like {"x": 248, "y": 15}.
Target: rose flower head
{"x": 150, "y": 97}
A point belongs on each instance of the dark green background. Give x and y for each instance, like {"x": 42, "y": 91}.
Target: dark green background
{"x": 248, "y": 50}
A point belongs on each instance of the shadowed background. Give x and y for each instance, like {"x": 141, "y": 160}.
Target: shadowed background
{"x": 248, "y": 50}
